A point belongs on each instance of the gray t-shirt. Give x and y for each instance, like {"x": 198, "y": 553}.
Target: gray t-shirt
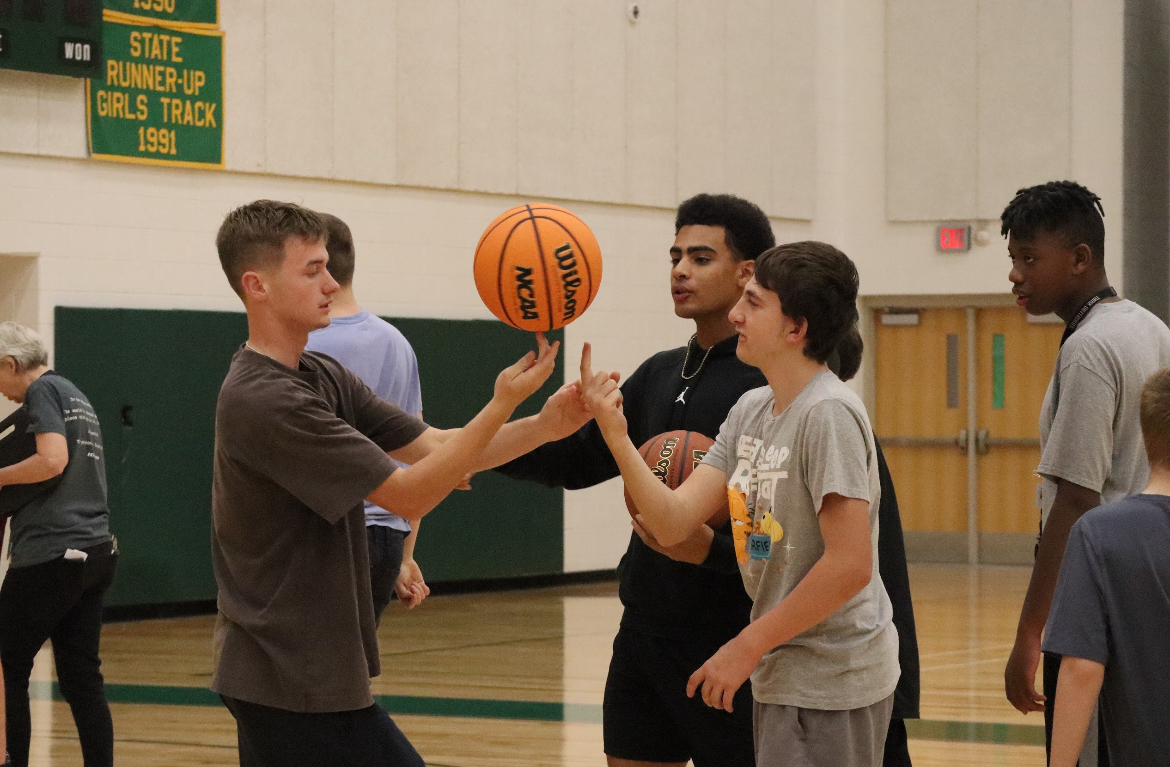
{"x": 74, "y": 514}
{"x": 781, "y": 467}
{"x": 1090, "y": 433}
{"x": 1111, "y": 606}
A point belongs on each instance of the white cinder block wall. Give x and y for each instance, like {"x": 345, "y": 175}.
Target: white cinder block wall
{"x": 861, "y": 123}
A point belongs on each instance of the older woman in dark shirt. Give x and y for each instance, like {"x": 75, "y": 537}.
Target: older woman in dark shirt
{"x": 62, "y": 554}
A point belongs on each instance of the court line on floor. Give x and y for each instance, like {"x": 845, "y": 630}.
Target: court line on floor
{"x": 587, "y": 713}
{"x": 473, "y": 646}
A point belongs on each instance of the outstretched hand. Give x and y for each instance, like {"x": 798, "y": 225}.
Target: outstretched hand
{"x": 564, "y": 412}
{"x": 602, "y": 395}
{"x": 517, "y": 382}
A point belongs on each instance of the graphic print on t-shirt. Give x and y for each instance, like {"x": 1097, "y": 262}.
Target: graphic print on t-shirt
{"x": 750, "y": 494}
{"x": 90, "y": 442}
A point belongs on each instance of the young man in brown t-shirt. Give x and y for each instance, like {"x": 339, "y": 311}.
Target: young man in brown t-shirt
{"x": 300, "y": 443}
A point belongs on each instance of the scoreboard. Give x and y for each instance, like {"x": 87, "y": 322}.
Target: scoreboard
{"x": 58, "y": 37}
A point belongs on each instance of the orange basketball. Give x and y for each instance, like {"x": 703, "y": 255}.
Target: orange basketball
{"x": 537, "y": 267}
{"x": 672, "y": 457}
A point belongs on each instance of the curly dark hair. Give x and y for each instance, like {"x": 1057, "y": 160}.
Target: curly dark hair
{"x": 748, "y": 232}
{"x": 1063, "y": 207}
{"x": 817, "y": 283}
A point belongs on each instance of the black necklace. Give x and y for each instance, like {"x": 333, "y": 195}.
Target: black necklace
{"x": 1101, "y": 295}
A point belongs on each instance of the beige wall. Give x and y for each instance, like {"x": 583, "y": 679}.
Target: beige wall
{"x": 551, "y": 98}
{"x": 987, "y": 96}
{"x": 419, "y": 122}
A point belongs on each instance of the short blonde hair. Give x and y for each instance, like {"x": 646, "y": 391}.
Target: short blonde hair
{"x": 23, "y": 345}
{"x": 1155, "y": 416}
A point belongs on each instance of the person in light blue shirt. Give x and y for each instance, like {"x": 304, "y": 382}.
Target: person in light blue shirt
{"x": 380, "y": 355}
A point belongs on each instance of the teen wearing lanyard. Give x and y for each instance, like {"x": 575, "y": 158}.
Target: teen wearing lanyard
{"x": 1090, "y": 436}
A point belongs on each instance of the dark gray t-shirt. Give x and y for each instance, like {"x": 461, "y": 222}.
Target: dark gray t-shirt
{"x": 296, "y": 453}
{"x": 74, "y": 514}
{"x": 1112, "y": 606}
{"x": 779, "y": 469}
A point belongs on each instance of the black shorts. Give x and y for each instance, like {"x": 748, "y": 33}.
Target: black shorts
{"x": 274, "y": 737}
{"x": 648, "y": 717}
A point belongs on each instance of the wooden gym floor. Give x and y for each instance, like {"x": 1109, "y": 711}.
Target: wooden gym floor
{"x": 516, "y": 678}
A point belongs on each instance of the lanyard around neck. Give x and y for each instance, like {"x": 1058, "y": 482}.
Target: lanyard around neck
{"x": 1084, "y": 310}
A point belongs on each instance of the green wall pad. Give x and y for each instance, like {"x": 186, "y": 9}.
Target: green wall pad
{"x": 153, "y": 377}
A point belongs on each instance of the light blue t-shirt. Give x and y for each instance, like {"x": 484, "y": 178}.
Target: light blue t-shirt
{"x": 380, "y": 355}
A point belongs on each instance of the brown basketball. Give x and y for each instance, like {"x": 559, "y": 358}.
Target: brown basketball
{"x": 537, "y": 267}
{"x": 672, "y": 457}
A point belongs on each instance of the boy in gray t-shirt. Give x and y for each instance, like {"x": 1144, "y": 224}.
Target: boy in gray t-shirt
{"x": 797, "y": 462}
{"x": 1091, "y": 449}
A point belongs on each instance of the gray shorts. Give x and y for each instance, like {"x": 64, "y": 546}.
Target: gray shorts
{"x": 788, "y": 736}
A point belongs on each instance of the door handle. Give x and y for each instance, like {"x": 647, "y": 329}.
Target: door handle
{"x": 989, "y": 442}
{"x": 980, "y": 441}
{"x": 983, "y": 441}
{"x": 960, "y": 441}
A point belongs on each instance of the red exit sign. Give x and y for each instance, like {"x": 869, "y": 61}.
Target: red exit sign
{"x": 953, "y": 238}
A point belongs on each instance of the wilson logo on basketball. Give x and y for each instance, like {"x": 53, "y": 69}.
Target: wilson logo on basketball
{"x": 662, "y": 468}
{"x": 537, "y": 266}
{"x": 567, "y": 262}
{"x": 526, "y": 293}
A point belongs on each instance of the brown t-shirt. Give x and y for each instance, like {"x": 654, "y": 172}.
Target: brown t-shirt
{"x": 296, "y": 452}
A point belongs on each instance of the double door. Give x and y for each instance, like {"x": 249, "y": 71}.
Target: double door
{"x": 958, "y": 396}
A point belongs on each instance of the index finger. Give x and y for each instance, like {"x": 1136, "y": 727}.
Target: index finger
{"x": 586, "y": 363}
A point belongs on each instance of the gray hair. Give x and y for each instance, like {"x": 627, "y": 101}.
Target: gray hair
{"x": 24, "y": 345}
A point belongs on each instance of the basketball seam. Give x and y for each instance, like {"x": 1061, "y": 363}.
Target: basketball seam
{"x": 584, "y": 260}
{"x": 496, "y": 226}
{"x": 543, "y": 266}
{"x": 500, "y": 275}
{"x": 686, "y": 456}
{"x": 519, "y": 212}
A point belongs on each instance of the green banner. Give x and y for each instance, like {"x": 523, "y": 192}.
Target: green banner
{"x": 201, "y": 12}
{"x": 159, "y": 98}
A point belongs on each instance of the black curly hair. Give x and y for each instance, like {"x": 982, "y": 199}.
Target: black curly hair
{"x": 748, "y": 232}
{"x": 1063, "y": 207}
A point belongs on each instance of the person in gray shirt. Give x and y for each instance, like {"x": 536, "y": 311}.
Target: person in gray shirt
{"x": 62, "y": 556}
{"x": 1091, "y": 448}
{"x": 797, "y": 463}
{"x": 1111, "y": 611}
